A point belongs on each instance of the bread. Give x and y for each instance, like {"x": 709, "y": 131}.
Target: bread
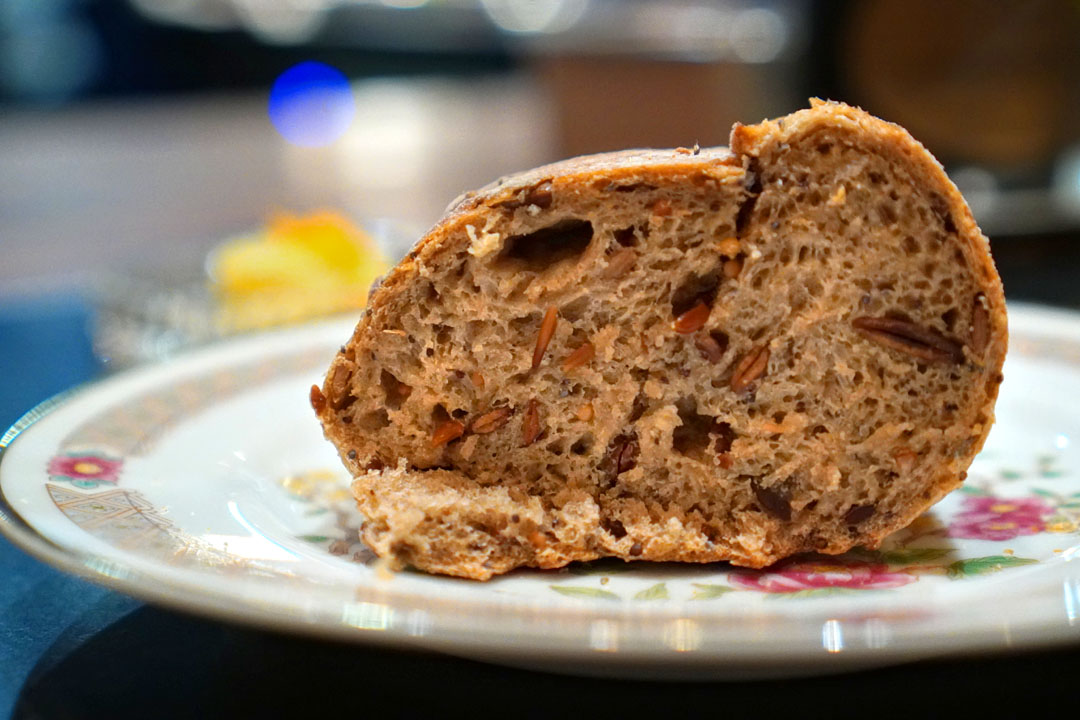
{"x": 689, "y": 355}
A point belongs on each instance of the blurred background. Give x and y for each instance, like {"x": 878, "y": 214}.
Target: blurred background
{"x": 163, "y": 163}
{"x": 176, "y": 171}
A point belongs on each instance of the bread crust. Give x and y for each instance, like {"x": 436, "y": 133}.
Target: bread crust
{"x": 442, "y": 521}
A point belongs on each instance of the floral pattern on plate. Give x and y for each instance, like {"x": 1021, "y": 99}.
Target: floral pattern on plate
{"x": 84, "y": 469}
{"x": 932, "y": 547}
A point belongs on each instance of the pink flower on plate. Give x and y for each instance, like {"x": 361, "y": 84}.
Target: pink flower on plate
{"x": 85, "y": 470}
{"x": 987, "y": 517}
{"x": 820, "y": 575}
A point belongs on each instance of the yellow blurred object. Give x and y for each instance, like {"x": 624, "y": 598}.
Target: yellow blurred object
{"x": 298, "y": 267}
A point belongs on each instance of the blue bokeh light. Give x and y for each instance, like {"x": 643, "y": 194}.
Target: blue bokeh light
{"x": 311, "y": 104}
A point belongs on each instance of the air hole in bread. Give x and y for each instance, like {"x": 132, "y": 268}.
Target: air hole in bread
{"x": 526, "y": 325}
{"x": 724, "y": 435}
{"x": 941, "y": 208}
{"x": 394, "y": 391}
{"x": 582, "y": 445}
{"x": 694, "y": 290}
{"x": 536, "y": 251}
{"x": 374, "y": 421}
{"x": 949, "y": 318}
{"x": 626, "y": 236}
{"x": 712, "y": 345}
{"x": 427, "y": 298}
{"x": 443, "y": 333}
{"x": 774, "y": 499}
{"x": 753, "y": 188}
{"x": 692, "y": 437}
{"x": 614, "y": 527}
{"x": 574, "y": 310}
{"x": 886, "y": 213}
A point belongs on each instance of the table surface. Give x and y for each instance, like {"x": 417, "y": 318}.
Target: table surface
{"x": 71, "y": 649}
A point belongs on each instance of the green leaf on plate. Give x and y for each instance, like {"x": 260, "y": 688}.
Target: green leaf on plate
{"x": 584, "y": 592}
{"x": 708, "y": 592}
{"x": 973, "y": 490}
{"x": 655, "y": 592}
{"x": 1044, "y": 493}
{"x": 1010, "y": 474}
{"x": 1048, "y": 466}
{"x": 984, "y": 565}
{"x": 913, "y": 555}
{"x": 314, "y": 538}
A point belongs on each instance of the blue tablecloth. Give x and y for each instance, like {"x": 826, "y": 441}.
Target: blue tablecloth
{"x": 44, "y": 349}
{"x": 69, "y": 649}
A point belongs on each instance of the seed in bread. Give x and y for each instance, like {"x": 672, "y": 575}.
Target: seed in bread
{"x": 792, "y": 345}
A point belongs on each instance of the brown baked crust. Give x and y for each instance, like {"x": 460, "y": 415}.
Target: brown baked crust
{"x": 681, "y": 496}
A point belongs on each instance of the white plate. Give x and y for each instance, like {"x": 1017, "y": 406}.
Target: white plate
{"x": 205, "y": 484}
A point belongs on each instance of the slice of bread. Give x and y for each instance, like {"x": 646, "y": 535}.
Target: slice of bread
{"x": 692, "y": 355}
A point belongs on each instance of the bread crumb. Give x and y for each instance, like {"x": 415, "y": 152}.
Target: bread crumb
{"x": 604, "y": 340}
{"x": 467, "y": 447}
{"x": 384, "y": 569}
{"x": 485, "y": 242}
